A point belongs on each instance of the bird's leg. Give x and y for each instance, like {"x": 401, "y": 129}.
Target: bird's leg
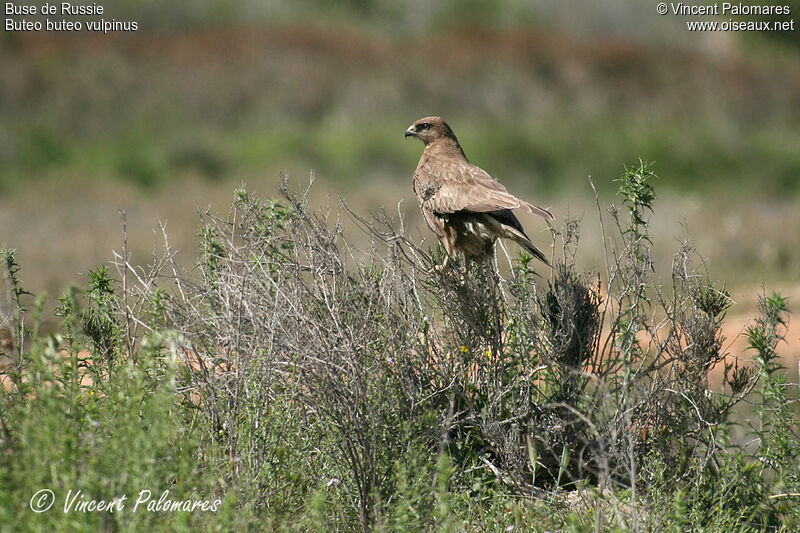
{"x": 444, "y": 266}
{"x": 467, "y": 264}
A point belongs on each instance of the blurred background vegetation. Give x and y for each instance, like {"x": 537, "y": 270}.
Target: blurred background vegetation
{"x": 208, "y": 94}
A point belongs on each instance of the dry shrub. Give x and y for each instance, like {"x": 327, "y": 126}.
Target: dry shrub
{"x": 536, "y": 380}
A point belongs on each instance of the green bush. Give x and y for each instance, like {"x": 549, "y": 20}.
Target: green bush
{"x": 97, "y": 425}
{"x": 308, "y": 385}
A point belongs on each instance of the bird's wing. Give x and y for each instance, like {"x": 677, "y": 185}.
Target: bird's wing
{"x": 435, "y": 223}
{"x": 449, "y": 186}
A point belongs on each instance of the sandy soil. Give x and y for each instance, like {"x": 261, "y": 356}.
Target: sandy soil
{"x": 736, "y": 323}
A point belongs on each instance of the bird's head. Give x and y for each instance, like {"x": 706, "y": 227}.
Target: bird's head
{"x": 429, "y": 129}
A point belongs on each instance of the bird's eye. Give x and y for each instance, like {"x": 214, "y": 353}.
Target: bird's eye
{"x": 424, "y": 126}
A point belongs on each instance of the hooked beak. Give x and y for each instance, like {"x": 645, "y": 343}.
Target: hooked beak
{"x": 410, "y": 132}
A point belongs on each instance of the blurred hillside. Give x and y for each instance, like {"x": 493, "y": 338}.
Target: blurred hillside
{"x": 207, "y": 94}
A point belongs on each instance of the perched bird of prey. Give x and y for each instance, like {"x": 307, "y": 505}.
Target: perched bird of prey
{"x": 466, "y": 208}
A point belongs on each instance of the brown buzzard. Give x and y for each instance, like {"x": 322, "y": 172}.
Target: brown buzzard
{"x": 466, "y": 208}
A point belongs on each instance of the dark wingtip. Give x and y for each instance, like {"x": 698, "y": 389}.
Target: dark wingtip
{"x": 537, "y": 253}
{"x": 543, "y": 259}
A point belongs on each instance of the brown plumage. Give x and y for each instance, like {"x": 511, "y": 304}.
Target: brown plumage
{"x": 466, "y": 208}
